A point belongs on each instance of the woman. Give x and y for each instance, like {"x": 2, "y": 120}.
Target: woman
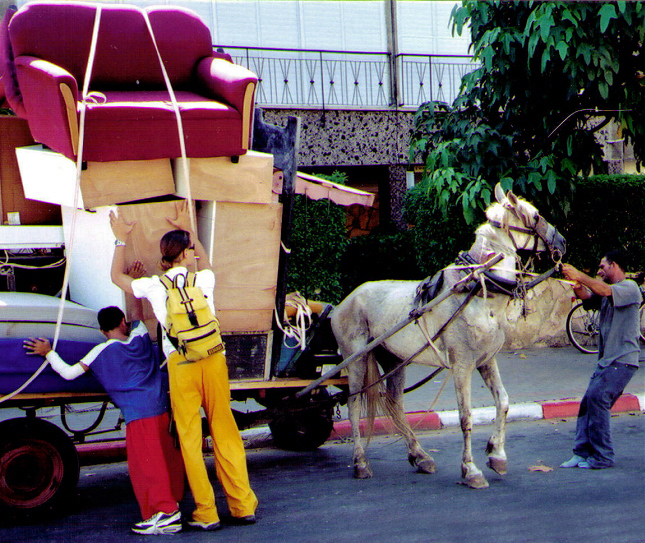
{"x": 203, "y": 383}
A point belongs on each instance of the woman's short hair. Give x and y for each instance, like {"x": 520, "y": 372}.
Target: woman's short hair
{"x": 172, "y": 245}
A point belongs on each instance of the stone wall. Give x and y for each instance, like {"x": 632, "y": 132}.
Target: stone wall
{"x": 545, "y": 324}
{"x": 349, "y": 138}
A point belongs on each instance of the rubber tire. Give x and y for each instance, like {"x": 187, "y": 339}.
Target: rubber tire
{"x": 39, "y": 467}
{"x": 576, "y": 312}
{"x": 303, "y": 429}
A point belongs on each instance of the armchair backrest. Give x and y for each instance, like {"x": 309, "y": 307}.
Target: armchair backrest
{"x": 61, "y": 32}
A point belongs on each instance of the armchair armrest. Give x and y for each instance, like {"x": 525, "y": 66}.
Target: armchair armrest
{"x": 50, "y": 95}
{"x": 234, "y": 85}
{"x": 225, "y": 80}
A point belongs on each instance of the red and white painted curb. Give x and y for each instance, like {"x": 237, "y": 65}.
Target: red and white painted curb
{"x": 431, "y": 420}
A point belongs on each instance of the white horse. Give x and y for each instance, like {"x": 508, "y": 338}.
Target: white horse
{"x": 470, "y": 341}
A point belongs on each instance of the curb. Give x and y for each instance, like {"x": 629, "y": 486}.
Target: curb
{"x": 432, "y": 420}
{"x": 114, "y": 451}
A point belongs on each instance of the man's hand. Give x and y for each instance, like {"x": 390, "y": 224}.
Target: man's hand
{"x": 570, "y": 273}
{"x": 37, "y": 346}
{"x": 136, "y": 270}
{"x": 120, "y": 228}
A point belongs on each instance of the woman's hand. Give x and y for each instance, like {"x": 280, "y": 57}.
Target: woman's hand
{"x": 120, "y": 228}
{"x": 183, "y": 220}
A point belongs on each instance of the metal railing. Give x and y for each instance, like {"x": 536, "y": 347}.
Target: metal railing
{"x": 302, "y": 78}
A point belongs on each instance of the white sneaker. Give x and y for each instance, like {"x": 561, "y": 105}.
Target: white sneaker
{"x": 574, "y": 462}
{"x": 208, "y": 526}
{"x": 159, "y": 524}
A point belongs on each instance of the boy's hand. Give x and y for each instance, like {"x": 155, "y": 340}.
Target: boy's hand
{"x": 37, "y": 346}
{"x": 136, "y": 270}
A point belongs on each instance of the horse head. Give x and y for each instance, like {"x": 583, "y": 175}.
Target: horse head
{"x": 523, "y": 226}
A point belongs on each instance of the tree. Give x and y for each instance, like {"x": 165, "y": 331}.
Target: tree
{"x": 551, "y": 75}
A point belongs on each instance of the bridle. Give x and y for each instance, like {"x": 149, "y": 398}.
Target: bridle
{"x": 541, "y": 230}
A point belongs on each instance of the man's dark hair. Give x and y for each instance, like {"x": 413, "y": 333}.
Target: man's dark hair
{"x": 617, "y": 257}
{"x": 109, "y": 318}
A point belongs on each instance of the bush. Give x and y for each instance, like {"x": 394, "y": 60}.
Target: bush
{"x": 437, "y": 237}
{"x": 378, "y": 256}
{"x": 607, "y": 213}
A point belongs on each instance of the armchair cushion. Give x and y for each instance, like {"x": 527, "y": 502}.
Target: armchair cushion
{"x": 131, "y": 115}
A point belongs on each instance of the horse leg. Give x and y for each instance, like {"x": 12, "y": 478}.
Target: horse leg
{"x": 416, "y": 455}
{"x": 356, "y": 378}
{"x": 495, "y": 448}
{"x": 469, "y": 471}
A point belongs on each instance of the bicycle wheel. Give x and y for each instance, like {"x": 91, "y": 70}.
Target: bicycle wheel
{"x": 583, "y": 329}
{"x": 642, "y": 314}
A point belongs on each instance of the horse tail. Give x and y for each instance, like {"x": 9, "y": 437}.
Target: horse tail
{"x": 374, "y": 395}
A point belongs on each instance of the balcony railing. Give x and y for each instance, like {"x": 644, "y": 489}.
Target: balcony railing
{"x": 301, "y": 78}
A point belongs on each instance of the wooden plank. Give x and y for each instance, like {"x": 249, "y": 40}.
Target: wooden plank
{"x": 218, "y": 179}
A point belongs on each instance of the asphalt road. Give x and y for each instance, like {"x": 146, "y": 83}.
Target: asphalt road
{"x": 312, "y": 497}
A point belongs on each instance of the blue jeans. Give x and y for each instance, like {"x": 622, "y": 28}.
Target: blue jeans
{"x": 593, "y": 434}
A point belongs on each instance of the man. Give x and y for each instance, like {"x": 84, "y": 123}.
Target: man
{"x": 618, "y": 356}
{"x": 128, "y": 368}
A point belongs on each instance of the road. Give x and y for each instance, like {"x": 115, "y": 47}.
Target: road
{"x": 312, "y": 497}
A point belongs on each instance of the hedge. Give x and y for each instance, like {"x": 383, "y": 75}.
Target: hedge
{"x": 607, "y": 212}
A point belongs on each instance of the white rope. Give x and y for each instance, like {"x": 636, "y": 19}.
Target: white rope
{"x": 180, "y": 126}
{"x": 298, "y": 330}
{"x": 79, "y": 165}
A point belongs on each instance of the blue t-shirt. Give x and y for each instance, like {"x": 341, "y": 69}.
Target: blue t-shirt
{"x": 620, "y": 325}
{"x": 129, "y": 371}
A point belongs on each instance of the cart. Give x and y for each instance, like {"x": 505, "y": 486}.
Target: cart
{"x": 39, "y": 461}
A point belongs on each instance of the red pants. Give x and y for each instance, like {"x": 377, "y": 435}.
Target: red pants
{"x": 156, "y": 467}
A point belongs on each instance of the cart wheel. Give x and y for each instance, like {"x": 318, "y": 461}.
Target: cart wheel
{"x": 39, "y": 466}
{"x": 303, "y": 428}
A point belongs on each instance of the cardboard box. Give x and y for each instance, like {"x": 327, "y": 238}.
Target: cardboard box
{"x": 48, "y": 176}
{"x": 218, "y": 179}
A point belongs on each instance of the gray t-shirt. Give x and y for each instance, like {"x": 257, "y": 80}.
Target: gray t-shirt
{"x": 620, "y": 325}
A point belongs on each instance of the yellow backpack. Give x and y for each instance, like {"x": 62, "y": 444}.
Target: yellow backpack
{"x": 190, "y": 324}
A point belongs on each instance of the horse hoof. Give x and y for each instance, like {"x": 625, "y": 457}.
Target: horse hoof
{"x": 477, "y": 482}
{"x": 498, "y": 465}
{"x": 363, "y": 472}
{"x": 426, "y": 466}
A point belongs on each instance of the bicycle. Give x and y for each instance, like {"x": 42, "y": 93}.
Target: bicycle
{"x": 583, "y": 328}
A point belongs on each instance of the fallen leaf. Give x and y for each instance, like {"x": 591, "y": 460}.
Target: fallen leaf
{"x": 544, "y": 469}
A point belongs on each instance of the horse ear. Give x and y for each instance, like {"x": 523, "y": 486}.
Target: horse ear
{"x": 512, "y": 198}
{"x": 499, "y": 193}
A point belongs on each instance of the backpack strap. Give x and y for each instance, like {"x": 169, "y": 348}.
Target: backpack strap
{"x": 166, "y": 281}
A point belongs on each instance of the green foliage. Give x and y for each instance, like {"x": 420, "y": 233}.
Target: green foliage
{"x": 522, "y": 118}
{"x": 379, "y": 256}
{"x": 318, "y": 241}
{"x": 437, "y": 236}
{"x": 607, "y": 214}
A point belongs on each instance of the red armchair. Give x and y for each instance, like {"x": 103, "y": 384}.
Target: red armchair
{"x": 131, "y": 117}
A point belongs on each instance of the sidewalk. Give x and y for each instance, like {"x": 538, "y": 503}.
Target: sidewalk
{"x": 542, "y": 383}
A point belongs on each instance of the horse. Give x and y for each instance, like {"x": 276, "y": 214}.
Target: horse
{"x": 475, "y": 333}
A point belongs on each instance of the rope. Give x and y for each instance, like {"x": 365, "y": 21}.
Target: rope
{"x": 79, "y": 167}
{"x": 298, "y": 330}
{"x": 180, "y": 126}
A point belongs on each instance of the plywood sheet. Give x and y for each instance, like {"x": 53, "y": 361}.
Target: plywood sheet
{"x": 243, "y": 241}
{"x": 48, "y": 176}
{"x": 218, "y": 179}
